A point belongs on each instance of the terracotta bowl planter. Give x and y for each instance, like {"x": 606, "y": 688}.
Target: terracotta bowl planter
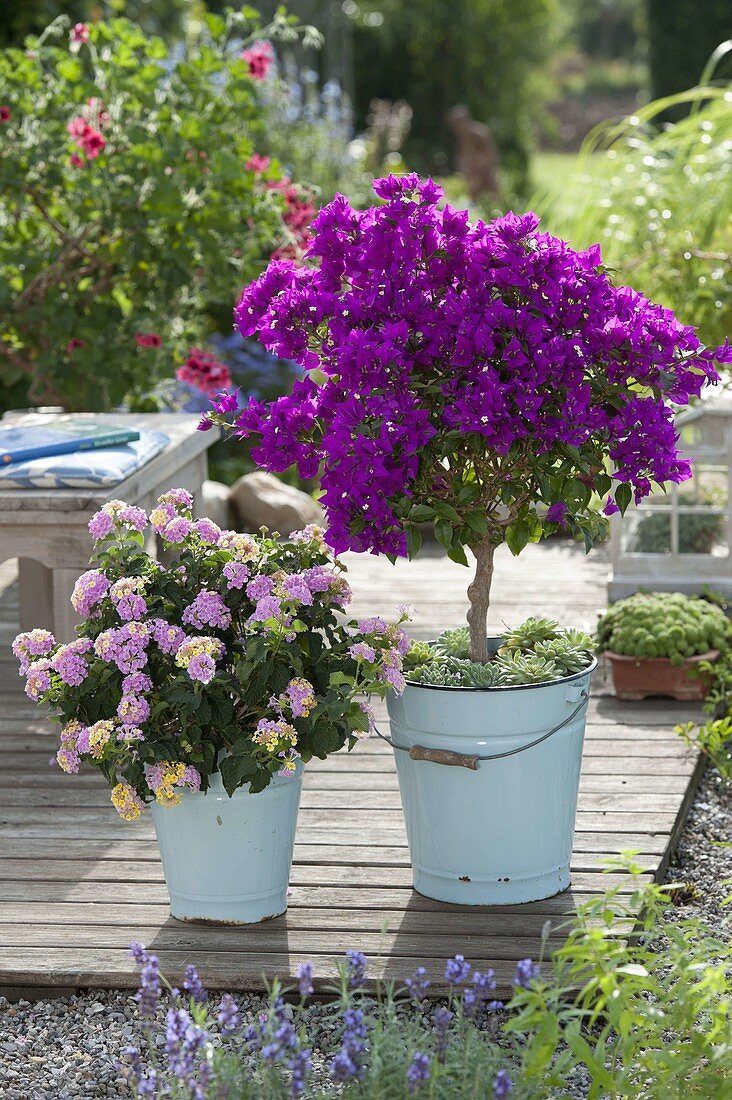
{"x": 640, "y": 677}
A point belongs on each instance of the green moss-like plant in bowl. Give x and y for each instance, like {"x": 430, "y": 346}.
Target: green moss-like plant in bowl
{"x": 656, "y": 642}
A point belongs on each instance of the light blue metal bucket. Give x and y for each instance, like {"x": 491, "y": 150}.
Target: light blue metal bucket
{"x": 498, "y": 831}
{"x": 228, "y": 859}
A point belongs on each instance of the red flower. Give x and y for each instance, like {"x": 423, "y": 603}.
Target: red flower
{"x": 79, "y": 33}
{"x": 148, "y": 339}
{"x": 86, "y": 137}
{"x": 259, "y": 58}
{"x": 76, "y": 161}
{"x": 4, "y": 114}
{"x": 257, "y": 163}
{"x": 92, "y": 143}
{"x": 74, "y": 343}
{"x": 204, "y": 372}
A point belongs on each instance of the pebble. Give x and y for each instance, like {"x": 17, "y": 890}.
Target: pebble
{"x": 70, "y": 1049}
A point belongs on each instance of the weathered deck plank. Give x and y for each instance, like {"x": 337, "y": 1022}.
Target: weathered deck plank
{"x": 77, "y": 884}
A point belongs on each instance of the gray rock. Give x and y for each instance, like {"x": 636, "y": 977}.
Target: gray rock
{"x": 215, "y": 503}
{"x": 262, "y": 500}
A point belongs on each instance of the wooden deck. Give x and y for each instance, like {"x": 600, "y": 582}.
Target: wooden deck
{"x": 77, "y": 884}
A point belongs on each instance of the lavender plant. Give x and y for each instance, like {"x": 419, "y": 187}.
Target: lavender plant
{"x": 485, "y": 379}
{"x": 233, "y": 659}
{"x": 649, "y": 1018}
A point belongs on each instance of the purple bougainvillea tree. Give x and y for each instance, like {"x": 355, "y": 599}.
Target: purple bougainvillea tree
{"x": 484, "y": 378}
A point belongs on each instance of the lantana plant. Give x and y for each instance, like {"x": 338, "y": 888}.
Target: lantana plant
{"x": 487, "y": 379}
{"x": 234, "y": 658}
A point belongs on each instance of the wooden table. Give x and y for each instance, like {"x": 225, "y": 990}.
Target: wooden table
{"x": 46, "y": 529}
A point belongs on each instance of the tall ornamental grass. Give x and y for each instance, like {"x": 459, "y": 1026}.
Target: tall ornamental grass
{"x": 658, "y": 199}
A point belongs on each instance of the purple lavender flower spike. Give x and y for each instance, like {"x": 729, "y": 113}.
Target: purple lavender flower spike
{"x": 457, "y": 970}
{"x": 441, "y": 1020}
{"x": 418, "y": 1073}
{"x": 228, "y": 1015}
{"x": 305, "y": 979}
{"x": 417, "y": 986}
{"x": 355, "y": 968}
{"x": 193, "y": 985}
{"x": 502, "y": 1085}
{"x": 526, "y": 972}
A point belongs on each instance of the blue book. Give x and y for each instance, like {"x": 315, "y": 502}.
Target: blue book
{"x": 63, "y": 435}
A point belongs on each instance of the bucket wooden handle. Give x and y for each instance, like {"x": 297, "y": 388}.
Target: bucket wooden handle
{"x": 444, "y": 756}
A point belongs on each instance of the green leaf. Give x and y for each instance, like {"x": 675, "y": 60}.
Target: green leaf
{"x": 456, "y": 553}
{"x": 623, "y": 496}
{"x": 517, "y": 535}
{"x": 477, "y": 522}
{"x": 236, "y": 771}
{"x": 444, "y": 533}
{"x": 603, "y": 484}
{"x": 414, "y": 541}
{"x": 421, "y": 513}
{"x": 446, "y": 511}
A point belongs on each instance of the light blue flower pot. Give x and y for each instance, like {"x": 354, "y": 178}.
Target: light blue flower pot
{"x": 502, "y": 833}
{"x": 228, "y": 859}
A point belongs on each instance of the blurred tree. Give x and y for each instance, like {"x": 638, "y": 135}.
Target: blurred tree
{"x": 683, "y": 34}
{"x": 19, "y": 18}
{"x": 436, "y": 54}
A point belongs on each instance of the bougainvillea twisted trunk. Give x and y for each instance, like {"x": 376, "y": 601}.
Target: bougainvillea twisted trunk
{"x": 487, "y": 379}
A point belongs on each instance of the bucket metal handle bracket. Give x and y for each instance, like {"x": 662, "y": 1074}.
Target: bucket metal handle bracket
{"x": 444, "y": 756}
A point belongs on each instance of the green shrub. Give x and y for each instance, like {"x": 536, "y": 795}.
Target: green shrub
{"x": 663, "y": 624}
{"x": 145, "y": 219}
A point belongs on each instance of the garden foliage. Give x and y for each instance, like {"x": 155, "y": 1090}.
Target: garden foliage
{"x": 649, "y": 1019}
{"x": 434, "y": 55}
{"x": 234, "y": 658}
{"x": 658, "y": 199}
{"x": 131, "y": 202}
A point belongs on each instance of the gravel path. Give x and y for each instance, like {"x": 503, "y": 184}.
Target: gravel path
{"x": 69, "y": 1048}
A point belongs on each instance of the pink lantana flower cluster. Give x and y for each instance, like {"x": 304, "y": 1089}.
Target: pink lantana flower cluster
{"x": 235, "y": 658}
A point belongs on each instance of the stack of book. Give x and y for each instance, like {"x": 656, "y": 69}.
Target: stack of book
{"x": 62, "y": 436}
{"x": 72, "y": 452}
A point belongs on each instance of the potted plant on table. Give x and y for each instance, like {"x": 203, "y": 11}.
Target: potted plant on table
{"x": 491, "y": 381}
{"x": 662, "y": 643}
{"x": 203, "y": 687}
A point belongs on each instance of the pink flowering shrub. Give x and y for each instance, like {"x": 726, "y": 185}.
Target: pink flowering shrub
{"x": 484, "y": 378}
{"x": 130, "y": 216}
{"x": 235, "y": 658}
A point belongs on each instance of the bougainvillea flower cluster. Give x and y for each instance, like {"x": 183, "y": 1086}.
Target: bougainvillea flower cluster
{"x": 487, "y": 378}
{"x": 235, "y": 658}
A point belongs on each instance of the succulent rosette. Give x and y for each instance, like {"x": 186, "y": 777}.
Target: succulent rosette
{"x": 236, "y": 657}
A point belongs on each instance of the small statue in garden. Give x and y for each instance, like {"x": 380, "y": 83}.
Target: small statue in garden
{"x": 477, "y": 156}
